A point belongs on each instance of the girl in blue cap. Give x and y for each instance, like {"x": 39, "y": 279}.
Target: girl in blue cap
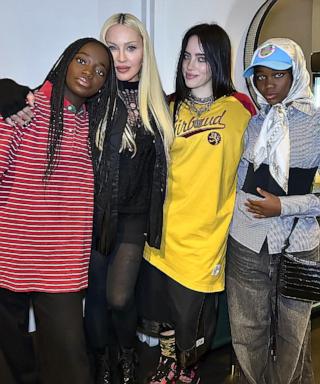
{"x": 281, "y": 157}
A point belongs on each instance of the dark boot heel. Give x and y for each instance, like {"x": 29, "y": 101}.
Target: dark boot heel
{"x": 127, "y": 366}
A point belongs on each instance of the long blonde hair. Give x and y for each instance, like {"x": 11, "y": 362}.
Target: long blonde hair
{"x": 150, "y": 97}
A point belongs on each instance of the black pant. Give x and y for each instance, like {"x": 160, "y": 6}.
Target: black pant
{"x": 110, "y": 299}
{"x": 59, "y": 350}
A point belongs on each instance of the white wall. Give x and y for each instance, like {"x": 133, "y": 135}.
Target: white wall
{"x": 172, "y": 19}
{"x": 33, "y": 33}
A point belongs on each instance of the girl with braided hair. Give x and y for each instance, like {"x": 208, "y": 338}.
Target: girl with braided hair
{"x": 46, "y": 207}
{"x": 130, "y": 186}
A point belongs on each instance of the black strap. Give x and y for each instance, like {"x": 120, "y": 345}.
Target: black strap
{"x": 274, "y": 318}
{"x": 287, "y": 241}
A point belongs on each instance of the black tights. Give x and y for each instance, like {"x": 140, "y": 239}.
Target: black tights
{"x": 111, "y": 294}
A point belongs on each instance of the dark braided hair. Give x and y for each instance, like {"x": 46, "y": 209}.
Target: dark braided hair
{"x": 100, "y": 106}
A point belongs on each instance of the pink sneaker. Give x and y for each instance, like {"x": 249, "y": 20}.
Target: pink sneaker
{"x": 188, "y": 376}
{"x": 166, "y": 371}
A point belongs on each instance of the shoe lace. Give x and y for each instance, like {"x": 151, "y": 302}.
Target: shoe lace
{"x": 128, "y": 366}
{"x": 107, "y": 376}
{"x": 103, "y": 371}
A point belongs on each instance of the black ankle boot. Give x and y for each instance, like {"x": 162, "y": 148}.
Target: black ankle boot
{"x": 103, "y": 369}
{"x": 127, "y": 366}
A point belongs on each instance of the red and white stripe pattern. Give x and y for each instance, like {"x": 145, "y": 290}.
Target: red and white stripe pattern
{"x": 45, "y": 229}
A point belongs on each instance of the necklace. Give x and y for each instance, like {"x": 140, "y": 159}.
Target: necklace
{"x": 130, "y": 99}
{"x": 206, "y": 102}
{"x": 201, "y": 100}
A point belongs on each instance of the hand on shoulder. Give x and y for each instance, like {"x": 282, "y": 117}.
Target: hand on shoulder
{"x": 16, "y": 102}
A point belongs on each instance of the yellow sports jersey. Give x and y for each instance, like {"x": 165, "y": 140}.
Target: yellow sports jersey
{"x": 201, "y": 195}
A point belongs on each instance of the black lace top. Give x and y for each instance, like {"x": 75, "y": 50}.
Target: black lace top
{"x": 135, "y": 173}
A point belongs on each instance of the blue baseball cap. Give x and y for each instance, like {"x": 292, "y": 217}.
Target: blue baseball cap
{"x": 269, "y": 56}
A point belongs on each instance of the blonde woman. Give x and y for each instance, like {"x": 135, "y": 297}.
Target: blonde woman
{"x": 130, "y": 192}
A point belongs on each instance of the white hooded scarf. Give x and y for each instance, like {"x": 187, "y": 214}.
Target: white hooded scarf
{"x": 273, "y": 143}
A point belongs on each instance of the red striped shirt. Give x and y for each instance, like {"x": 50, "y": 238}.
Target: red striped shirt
{"x": 45, "y": 229}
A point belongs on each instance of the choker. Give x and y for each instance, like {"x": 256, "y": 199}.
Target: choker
{"x": 201, "y": 100}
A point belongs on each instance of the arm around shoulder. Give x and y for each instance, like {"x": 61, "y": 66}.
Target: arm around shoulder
{"x": 15, "y": 102}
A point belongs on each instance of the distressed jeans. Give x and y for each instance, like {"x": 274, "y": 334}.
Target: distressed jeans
{"x": 251, "y": 289}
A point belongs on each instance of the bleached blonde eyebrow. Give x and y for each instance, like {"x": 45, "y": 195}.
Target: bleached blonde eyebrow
{"x": 129, "y": 42}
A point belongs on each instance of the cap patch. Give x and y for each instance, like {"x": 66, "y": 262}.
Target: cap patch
{"x": 266, "y": 51}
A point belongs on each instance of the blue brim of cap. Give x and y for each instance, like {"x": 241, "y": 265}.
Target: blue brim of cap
{"x": 270, "y": 64}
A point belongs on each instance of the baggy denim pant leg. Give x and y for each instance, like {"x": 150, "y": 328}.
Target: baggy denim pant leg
{"x": 251, "y": 289}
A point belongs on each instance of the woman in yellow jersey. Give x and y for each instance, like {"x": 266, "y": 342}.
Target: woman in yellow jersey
{"x": 184, "y": 275}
